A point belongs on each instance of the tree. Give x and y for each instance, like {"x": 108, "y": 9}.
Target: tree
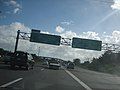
{"x": 1, "y": 51}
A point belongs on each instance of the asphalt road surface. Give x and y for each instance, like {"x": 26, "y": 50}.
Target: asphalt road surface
{"x": 47, "y": 79}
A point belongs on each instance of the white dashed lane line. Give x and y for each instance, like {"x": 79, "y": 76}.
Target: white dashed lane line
{"x": 9, "y": 83}
{"x": 78, "y": 80}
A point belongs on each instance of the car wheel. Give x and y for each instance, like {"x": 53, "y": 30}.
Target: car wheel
{"x": 27, "y": 67}
{"x": 32, "y": 66}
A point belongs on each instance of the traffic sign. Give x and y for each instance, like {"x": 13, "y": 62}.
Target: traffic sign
{"x": 86, "y": 44}
{"x": 45, "y": 38}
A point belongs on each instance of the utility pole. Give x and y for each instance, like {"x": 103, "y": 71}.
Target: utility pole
{"x": 17, "y": 38}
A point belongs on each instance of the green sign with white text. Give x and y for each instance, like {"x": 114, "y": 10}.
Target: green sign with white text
{"x": 45, "y": 38}
{"x": 86, "y": 44}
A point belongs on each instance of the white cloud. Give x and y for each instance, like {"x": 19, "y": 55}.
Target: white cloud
{"x": 113, "y": 38}
{"x": 45, "y": 32}
{"x": 10, "y": 30}
{"x": 8, "y": 35}
{"x": 12, "y": 2}
{"x": 67, "y": 22}
{"x": 68, "y": 34}
{"x": 87, "y": 35}
{"x": 59, "y": 29}
{"x": 104, "y": 32}
{"x": 17, "y": 7}
{"x": 16, "y": 10}
{"x": 12, "y": 5}
{"x": 116, "y": 5}
{"x": 90, "y": 35}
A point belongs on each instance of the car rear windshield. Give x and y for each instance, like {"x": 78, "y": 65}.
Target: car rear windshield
{"x": 20, "y": 54}
{"x": 53, "y": 61}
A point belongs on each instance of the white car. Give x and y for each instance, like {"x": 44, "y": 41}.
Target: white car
{"x": 54, "y": 64}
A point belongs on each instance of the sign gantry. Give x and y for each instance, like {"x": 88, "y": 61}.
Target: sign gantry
{"x": 89, "y": 44}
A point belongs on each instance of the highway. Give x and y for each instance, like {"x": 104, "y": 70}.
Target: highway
{"x": 41, "y": 78}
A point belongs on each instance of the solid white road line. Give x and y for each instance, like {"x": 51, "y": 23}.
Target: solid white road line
{"x": 78, "y": 80}
{"x": 9, "y": 83}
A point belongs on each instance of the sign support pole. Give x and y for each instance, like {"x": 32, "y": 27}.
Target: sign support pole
{"x": 17, "y": 38}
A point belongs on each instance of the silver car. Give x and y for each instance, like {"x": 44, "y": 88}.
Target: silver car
{"x": 54, "y": 64}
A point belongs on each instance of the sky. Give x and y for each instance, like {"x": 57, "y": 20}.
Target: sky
{"x": 91, "y": 19}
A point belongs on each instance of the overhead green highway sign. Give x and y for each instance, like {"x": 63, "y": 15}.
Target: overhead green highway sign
{"x": 38, "y": 37}
{"x": 86, "y": 44}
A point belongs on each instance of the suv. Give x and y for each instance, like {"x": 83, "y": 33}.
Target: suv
{"x": 22, "y": 59}
{"x": 7, "y": 57}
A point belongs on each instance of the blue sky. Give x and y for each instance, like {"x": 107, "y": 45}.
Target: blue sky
{"x": 91, "y": 19}
{"x": 47, "y": 14}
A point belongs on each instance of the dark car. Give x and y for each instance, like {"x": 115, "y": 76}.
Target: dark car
{"x": 22, "y": 59}
{"x": 70, "y": 65}
{"x": 53, "y": 64}
{"x": 7, "y": 58}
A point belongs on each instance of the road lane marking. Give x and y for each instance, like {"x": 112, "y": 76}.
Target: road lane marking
{"x": 78, "y": 80}
{"x": 9, "y": 83}
{"x": 42, "y": 69}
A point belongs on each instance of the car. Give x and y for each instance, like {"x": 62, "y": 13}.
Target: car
{"x": 54, "y": 64}
{"x": 70, "y": 65}
{"x": 45, "y": 64}
{"x": 7, "y": 58}
{"x": 22, "y": 59}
